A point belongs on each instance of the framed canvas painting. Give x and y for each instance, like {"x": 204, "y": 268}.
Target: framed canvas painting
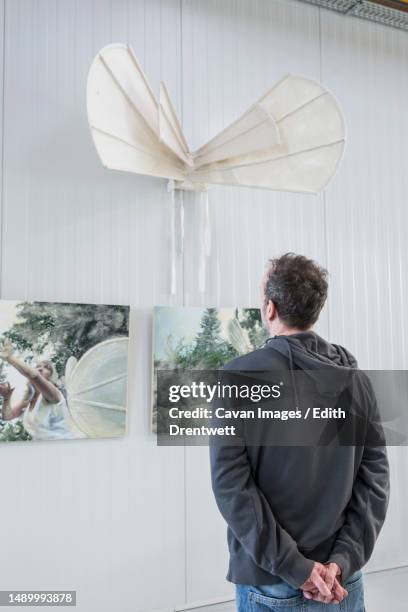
{"x": 63, "y": 370}
{"x": 201, "y": 339}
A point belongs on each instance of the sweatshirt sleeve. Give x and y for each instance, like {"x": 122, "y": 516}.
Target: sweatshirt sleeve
{"x": 249, "y": 516}
{"x": 367, "y": 508}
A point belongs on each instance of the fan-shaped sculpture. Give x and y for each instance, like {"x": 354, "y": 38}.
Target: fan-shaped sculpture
{"x": 291, "y": 139}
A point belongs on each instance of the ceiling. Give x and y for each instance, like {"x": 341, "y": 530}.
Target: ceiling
{"x": 393, "y": 13}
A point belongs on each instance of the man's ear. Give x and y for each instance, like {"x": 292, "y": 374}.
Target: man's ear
{"x": 270, "y": 311}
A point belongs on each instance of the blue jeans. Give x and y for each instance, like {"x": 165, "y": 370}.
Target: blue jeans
{"x": 282, "y": 597}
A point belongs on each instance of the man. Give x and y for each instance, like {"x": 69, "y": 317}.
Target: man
{"x": 302, "y": 520}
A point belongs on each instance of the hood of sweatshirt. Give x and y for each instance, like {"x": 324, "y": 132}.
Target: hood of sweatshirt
{"x": 308, "y": 351}
{"x": 330, "y": 366}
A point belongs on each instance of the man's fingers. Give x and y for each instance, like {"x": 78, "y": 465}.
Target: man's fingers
{"x": 330, "y": 575}
{"x": 321, "y": 585}
{"x": 322, "y": 599}
{"x": 317, "y": 587}
{"x": 337, "y": 598}
{"x": 339, "y": 588}
{"x": 339, "y": 591}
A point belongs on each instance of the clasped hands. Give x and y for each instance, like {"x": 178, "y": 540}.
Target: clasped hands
{"x": 324, "y": 584}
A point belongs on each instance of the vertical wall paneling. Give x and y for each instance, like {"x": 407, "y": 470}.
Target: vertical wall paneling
{"x": 366, "y": 65}
{"x": 2, "y": 43}
{"x": 104, "y": 517}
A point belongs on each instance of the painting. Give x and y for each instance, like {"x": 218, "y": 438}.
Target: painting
{"x": 201, "y": 339}
{"x": 63, "y": 370}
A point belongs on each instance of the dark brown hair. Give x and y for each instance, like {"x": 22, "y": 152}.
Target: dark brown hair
{"x": 298, "y": 288}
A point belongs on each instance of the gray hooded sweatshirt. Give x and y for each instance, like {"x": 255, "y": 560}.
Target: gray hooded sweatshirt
{"x": 288, "y": 506}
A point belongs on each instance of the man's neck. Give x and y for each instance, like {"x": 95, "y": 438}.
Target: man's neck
{"x": 279, "y": 329}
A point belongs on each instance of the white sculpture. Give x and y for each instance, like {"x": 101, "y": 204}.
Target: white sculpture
{"x": 291, "y": 139}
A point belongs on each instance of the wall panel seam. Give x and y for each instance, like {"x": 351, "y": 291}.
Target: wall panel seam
{"x": 2, "y": 160}
{"x": 181, "y": 105}
{"x": 324, "y": 199}
{"x": 183, "y": 293}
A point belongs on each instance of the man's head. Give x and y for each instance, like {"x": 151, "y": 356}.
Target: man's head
{"x": 294, "y": 290}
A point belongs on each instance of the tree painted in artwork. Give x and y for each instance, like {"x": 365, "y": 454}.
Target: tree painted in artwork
{"x": 63, "y": 329}
{"x": 13, "y": 431}
{"x": 210, "y": 349}
{"x": 251, "y": 320}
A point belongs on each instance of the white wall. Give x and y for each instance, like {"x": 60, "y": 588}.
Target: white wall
{"x": 121, "y": 520}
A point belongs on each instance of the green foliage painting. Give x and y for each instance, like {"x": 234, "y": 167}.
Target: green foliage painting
{"x": 64, "y": 329}
{"x": 202, "y": 339}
